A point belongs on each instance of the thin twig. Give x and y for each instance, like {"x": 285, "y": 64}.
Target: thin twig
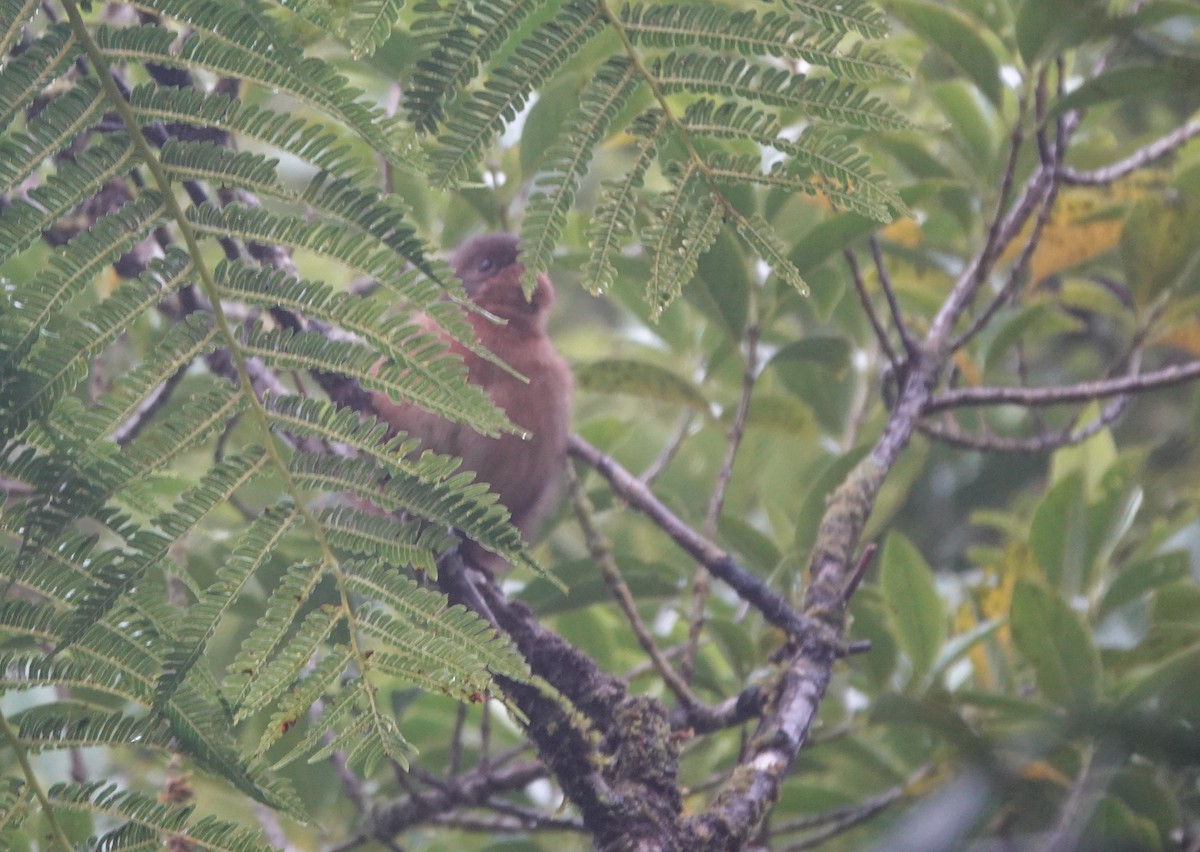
{"x": 746, "y": 705}
{"x": 601, "y": 554}
{"x": 629, "y": 488}
{"x": 509, "y": 755}
{"x": 864, "y": 299}
{"x": 1022, "y": 373}
{"x": 1176, "y": 374}
{"x": 860, "y": 569}
{"x": 532, "y": 818}
{"x": 1015, "y": 273}
{"x": 889, "y": 293}
{"x": 840, "y": 820}
{"x": 1050, "y": 157}
{"x": 645, "y": 667}
{"x": 664, "y": 458}
{"x": 148, "y": 408}
{"x": 803, "y": 676}
{"x": 387, "y": 819}
{"x": 455, "y": 756}
{"x": 1101, "y": 761}
{"x": 1002, "y": 228}
{"x": 733, "y": 440}
{"x": 511, "y": 825}
{"x": 949, "y": 433}
{"x": 1039, "y": 117}
{"x": 485, "y": 734}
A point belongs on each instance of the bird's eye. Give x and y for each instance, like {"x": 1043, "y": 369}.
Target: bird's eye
{"x": 485, "y": 265}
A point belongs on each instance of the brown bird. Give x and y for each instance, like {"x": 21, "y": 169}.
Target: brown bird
{"x": 523, "y": 470}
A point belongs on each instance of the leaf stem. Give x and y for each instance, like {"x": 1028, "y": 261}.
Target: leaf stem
{"x": 56, "y": 829}
{"x": 212, "y": 291}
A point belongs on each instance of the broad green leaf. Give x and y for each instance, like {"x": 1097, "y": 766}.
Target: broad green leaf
{"x": 735, "y": 643}
{"x": 751, "y": 544}
{"x": 969, "y": 121}
{"x": 639, "y": 378}
{"x": 828, "y": 238}
{"x": 1058, "y": 534}
{"x": 828, "y": 351}
{"x": 831, "y": 235}
{"x": 962, "y": 644}
{"x": 1141, "y": 788}
{"x": 1114, "y": 825}
{"x": 778, "y": 413}
{"x": 586, "y": 586}
{"x": 916, "y": 610}
{"x": 545, "y": 120}
{"x": 722, "y": 286}
{"x": 1150, "y": 14}
{"x": 1036, "y": 321}
{"x": 930, "y": 712}
{"x": 869, "y": 621}
{"x": 947, "y": 30}
{"x": 1055, "y": 641}
{"x": 1082, "y": 294}
{"x": 1127, "y": 82}
{"x": 1138, "y": 578}
{"x": 1091, "y": 459}
{"x": 1149, "y": 683}
{"x": 1158, "y": 246}
{"x": 1045, "y": 27}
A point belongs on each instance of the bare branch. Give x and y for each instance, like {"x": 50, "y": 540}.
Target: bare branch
{"x": 839, "y": 820}
{"x": 508, "y": 825}
{"x": 606, "y": 748}
{"x": 1176, "y": 374}
{"x": 388, "y": 818}
{"x": 631, "y": 489}
{"x": 1045, "y": 152}
{"x": 743, "y": 707}
{"x": 949, "y": 433}
{"x": 1139, "y": 159}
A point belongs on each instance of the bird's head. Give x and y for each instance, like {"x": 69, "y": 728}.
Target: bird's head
{"x": 488, "y": 267}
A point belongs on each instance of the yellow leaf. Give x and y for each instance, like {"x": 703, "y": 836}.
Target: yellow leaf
{"x": 966, "y": 368}
{"x": 1040, "y": 770}
{"x": 1186, "y": 336}
{"x": 1085, "y": 223}
{"x": 904, "y": 232}
{"x": 995, "y": 600}
{"x": 964, "y": 620}
{"x": 107, "y": 282}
